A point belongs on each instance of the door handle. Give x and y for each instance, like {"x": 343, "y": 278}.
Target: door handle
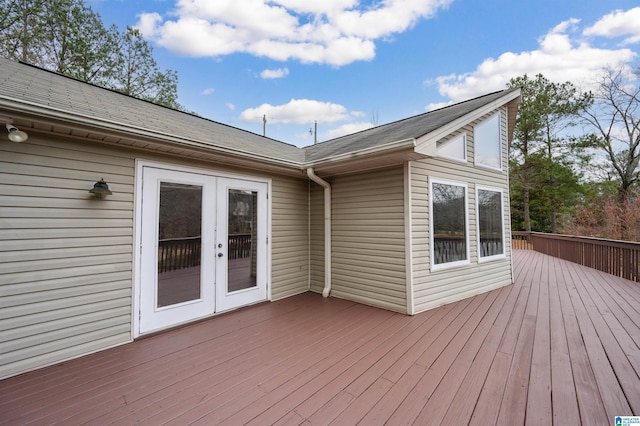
{"x": 220, "y": 254}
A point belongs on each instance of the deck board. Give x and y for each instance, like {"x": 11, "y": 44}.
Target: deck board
{"x": 564, "y": 400}
{"x": 561, "y": 345}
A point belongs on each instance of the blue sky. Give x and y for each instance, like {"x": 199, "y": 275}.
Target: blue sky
{"x": 349, "y": 64}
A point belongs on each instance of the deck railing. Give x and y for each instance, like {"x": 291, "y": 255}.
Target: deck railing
{"x": 180, "y": 253}
{"x": 620, "y": 258}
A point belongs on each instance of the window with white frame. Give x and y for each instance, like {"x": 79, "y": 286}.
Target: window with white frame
{"x": 454, "y": 148}
{"x": 490, "y": 223}
{"x": 449, "y": 229}
{"x": 487, "y": 144}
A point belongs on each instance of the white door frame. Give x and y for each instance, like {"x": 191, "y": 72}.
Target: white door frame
{"x": 137, "y": 263}
{"x": 152, "y": 316}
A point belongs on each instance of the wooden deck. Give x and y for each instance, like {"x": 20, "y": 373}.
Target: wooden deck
{"x": 560, "y": 346}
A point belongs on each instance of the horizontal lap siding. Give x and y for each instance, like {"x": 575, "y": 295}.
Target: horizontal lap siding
{"x": 290, "y": 237}
{"x": 368, "y": 245}
{"x": 66, "y": 279}
{"x": 289, "y": 224}
{"x": 66, "y": 260}
{"x": 432, "y": 289}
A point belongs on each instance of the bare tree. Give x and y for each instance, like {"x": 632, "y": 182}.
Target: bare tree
{"x": 375, "y": 117}
{"x": 614, "y": 119}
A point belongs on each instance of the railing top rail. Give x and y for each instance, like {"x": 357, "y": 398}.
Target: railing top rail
{"x": 594, "y": 240}
{"x": 180, "y": 239}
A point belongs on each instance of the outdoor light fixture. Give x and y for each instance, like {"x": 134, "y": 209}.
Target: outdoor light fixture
{"x": 100, "y": 189}
{"x": 15, "y": 134}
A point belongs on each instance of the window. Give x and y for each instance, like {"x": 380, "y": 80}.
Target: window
{"x": 487, "y": 143}
{"x": 455, "y": 148}
{"x": 490, "y": 224}
{"x": 449, "y": 236}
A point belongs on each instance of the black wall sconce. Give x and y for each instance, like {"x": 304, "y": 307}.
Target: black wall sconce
{"x": 100, "y": 189}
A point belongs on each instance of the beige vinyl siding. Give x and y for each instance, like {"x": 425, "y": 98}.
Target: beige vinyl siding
{"x": 65, "y": 259}
{"x": 368, "y": 238}
{"x": 290, "y": 237}
{"x": 432, "y": 289}
{"x": 289, "y": 224}
{"x": 66, "y": 280}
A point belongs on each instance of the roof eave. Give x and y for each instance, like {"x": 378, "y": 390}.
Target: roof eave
{"x": 37, "y": 112}
{"x": 426, "y": 144}
{"x": 386, "y": 155}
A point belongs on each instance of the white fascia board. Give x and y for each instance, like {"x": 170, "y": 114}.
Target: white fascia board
{"x": 376, "y": 150}
{"x": 426, "y": 144}
{"x": 85, "y": 122}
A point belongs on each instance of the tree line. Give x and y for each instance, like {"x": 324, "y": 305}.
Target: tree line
{"x": 68, "y": 37}
{"x": 574, "y": 160}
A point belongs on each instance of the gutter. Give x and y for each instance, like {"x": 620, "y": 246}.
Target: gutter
{"x": 409, "y": 143}
{"x": 28, "y": 109}
{"x": 327, "y": 229}
{"x": 82, "y": 121}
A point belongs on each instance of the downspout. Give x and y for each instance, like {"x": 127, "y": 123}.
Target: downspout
{"x": 327, "y": 230}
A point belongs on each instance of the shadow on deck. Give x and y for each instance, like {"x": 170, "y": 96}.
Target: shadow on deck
{"x": 561, "y": 345}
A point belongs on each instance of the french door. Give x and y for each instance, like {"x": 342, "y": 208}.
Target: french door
{"x": 203, "y": 246}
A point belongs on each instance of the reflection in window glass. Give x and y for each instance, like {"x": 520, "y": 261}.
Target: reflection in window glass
{"x": 179, "y": 243}
{"x": 242, "y": 246}
{"x": 486, "y": 141}
{"x": 455, "y": 148}
{"x": 490, "y": 223}
{"x": 449, "y": 237}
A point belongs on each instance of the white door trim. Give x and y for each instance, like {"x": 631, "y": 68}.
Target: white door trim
{"x": 153, "y": 315}
{"x": 140, "y": 165}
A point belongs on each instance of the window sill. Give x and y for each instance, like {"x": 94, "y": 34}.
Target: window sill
{"x": 451, "y": 265}
{"x": 493, "y": 169}
{"x": 494, "y": 258}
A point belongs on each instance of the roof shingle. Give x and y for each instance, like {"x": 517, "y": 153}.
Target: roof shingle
{"x": 48, "y": 91}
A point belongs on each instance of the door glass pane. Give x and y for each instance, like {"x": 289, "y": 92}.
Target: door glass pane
{"x": 179, "y": 241}
{"x": 242, "y": 230}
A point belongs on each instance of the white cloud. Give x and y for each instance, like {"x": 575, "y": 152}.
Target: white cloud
{"x": 273, "y": 74}
{"x": 296, "y": 111}
{"x": 346, "y": 129}
{"x": 335, "y": 32}
{"x": 560, "y": 57}
{"x": 618, "y": 23}
{"x": 230, "y": 106}
{"x": 208, "y": 91}
{"x": 437, "y": 105}
{"x": 148, "y": 23}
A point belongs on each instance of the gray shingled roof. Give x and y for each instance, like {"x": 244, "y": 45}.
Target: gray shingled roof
{"x": 408, "y": 128}
{"x": 48, "y": 91}
{"x": 56, "y": 92}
